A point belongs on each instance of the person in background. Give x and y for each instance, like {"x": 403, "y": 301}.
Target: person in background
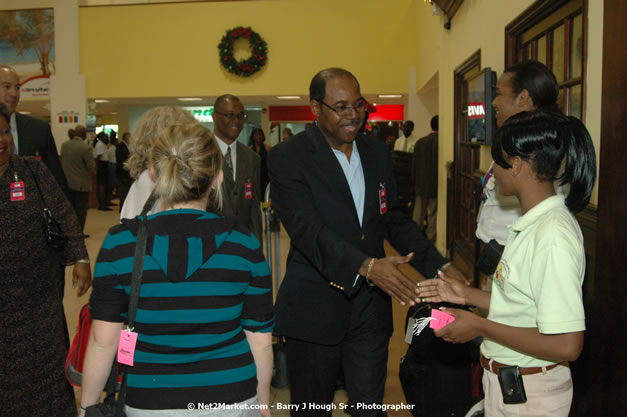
{"x": 261, "y": 148}
{"x": 31, "y": 136}
{"x": 242, "y": 167}
{"x": 407, "y": 141}
{"x": 525, "y": 86}
{"x": 34, "y": 339}
{"x": 335, "y": 193}
{"x": 123, "y": 178}
{"x": 204, "y": 318}
{"x": 287, "y": 133}
{"x": 78, "y": 166}
{"x": 424, "y": 171}
{"x": 112, "y": 186}
{"x": 102, "y": 170}
{"x": 536, "y": 317}
{"x": 150, "y": 125}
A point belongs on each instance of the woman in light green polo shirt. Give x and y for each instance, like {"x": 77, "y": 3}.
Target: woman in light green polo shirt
{"x": 536, "y": 318}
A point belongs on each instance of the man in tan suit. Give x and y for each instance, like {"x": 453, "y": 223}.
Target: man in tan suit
{"x": 78, "y": 164}
{"x": 241, "y": 166}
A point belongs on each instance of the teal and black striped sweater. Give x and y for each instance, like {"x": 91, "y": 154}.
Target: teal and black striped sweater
{"x": 205, "y": 281}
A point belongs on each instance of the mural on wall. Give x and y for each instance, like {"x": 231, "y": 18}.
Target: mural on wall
{"x": 27, "y": 45}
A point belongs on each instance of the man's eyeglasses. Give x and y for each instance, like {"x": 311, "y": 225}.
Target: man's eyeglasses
{"x": 232, "y": 116}
{"x": 343, "y": 110}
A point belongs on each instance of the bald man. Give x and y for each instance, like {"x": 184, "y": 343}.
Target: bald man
{"x": 30, "y": 136}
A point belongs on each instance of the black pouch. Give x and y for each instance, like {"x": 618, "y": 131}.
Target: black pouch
{"x": 490, "y": 257}
{"x": 55, "y": 238}
{"x": 512, "y": 387}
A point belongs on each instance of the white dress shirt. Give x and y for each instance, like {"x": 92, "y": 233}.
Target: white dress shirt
{"x": 223, "y": 147}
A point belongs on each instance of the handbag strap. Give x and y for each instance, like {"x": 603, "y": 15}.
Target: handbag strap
{"x": 32, "y": 174}
{"x": 136, "y": 282}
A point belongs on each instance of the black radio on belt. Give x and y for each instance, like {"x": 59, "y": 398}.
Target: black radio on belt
{"x": 512, "y": 387}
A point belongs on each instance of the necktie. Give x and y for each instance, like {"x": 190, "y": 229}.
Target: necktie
{"x": 229, "y": 163}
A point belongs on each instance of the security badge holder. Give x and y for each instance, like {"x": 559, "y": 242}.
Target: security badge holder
{"x": 248, "y": 190}
{"x": 17, "y": 189}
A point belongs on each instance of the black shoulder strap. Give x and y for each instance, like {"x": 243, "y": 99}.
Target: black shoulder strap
{"x": 32, "y": 174}
{"x": 136, "y": 282}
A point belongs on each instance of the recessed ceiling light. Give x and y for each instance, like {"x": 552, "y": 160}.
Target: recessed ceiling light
{"x": 189, "y": 99}
{"x": 25, "y": 112}
{"x": 113, "y": 112}
{"x": 288, "y": 97}
{"x": 390, "y": 95}
{"x": 101, "y": 101}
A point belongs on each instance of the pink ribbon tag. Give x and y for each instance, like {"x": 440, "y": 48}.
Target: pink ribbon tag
{"x": 126, "y": 347}
{"x": 440, "y": 319}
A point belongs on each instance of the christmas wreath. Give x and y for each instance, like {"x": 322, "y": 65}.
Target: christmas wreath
{"x": 246, "y": 67}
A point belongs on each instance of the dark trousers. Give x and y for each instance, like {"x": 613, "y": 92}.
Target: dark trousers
{"x": 80, "y": 202}
{"x": 124, "y": 184}
{"x": 362, "y": 355}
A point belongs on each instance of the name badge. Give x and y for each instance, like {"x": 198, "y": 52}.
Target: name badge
{"x": 17, "y": 191}
{"x": 248, "y": 190}
{"x": 383, "y": 199}
{"x": 126, "y": 347}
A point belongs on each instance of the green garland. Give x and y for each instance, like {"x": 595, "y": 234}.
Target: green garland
{"x": 247, "y": 67}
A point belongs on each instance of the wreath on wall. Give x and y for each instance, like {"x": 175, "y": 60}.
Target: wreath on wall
{"x": 249, "y": 66}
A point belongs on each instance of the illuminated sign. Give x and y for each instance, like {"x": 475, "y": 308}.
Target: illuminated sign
{"x": 476, "y": 110}
{"x": 36, "y": 87}
{"x": 202, "y": 114}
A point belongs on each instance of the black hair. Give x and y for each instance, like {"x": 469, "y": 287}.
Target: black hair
{"x": 4, "y": 112}
{"x": 539, "y": 81}
{"x": 225, "y": 97}
{"x": 545, "y": 139}
{"x": 434, "y": 123}
{"x": 318, "y": 86}
{"x": 252, "y": 134}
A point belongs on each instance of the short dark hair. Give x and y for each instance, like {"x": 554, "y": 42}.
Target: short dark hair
{"x": 539, "y": 81}
{"x": 225, "y": 97}
{"x": 545, "y": 139}
{"x": 318, "y": 85}
{"x": 434, "y": 123}
{"x": 4, "y": 112}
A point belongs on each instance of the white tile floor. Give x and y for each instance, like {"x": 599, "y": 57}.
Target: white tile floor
{"x": 99, "y": 222}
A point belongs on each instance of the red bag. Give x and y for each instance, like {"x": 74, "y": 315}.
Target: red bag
{"x": 76, "y": 354}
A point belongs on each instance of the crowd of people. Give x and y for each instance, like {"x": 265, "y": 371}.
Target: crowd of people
{"x": 205, "y": 314}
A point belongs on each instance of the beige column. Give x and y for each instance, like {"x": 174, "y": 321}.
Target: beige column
{"x": 68, "y": 95}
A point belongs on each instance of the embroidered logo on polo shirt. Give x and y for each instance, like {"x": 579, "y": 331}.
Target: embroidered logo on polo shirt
{"x": 501, "y": 273}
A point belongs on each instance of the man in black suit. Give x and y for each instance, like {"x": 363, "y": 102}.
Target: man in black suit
{"x": 30, "y": 136}
{"x": 241, "y": 190}
{"x": 335, "y": 193}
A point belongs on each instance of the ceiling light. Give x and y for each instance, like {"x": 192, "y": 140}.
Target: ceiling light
{"x": 189, "y": 99}
{"x": 101, "y": 101}
{"x": 25, "y": 112}
{"x": 390, "y": 95}
{"x": 288, "y": 97}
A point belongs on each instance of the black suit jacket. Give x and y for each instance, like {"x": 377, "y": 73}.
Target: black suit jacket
{"x": 234, "y": 201}
{"x": 314, "y": 202}
{"x": 35, "y": 139}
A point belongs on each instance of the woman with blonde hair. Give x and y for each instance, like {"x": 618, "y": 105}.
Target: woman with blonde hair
{"x": 151, "y": 125}
{"x": 204, "y": 316}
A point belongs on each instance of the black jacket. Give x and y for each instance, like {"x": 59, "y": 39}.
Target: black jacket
{"x": 314, "y": 202}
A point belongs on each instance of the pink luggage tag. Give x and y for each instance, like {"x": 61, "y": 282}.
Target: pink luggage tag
{"x": 440, "y": 319}
{"x": 126, "y": 347}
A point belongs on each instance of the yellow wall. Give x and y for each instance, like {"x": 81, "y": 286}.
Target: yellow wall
{"x": 171, "y": 49}
{"x": 428, "y": 29}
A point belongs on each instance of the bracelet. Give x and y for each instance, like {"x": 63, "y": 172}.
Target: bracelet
{"x": 370, "y": 265}
{"x": 83, "y": 261}
{"x": 82, "y": 408}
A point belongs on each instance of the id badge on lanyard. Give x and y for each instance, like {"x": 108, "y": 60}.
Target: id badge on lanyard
{"x": 17, "y": 189}
{"x": 383, "y": 199}
{"x": 248, "y": 190}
